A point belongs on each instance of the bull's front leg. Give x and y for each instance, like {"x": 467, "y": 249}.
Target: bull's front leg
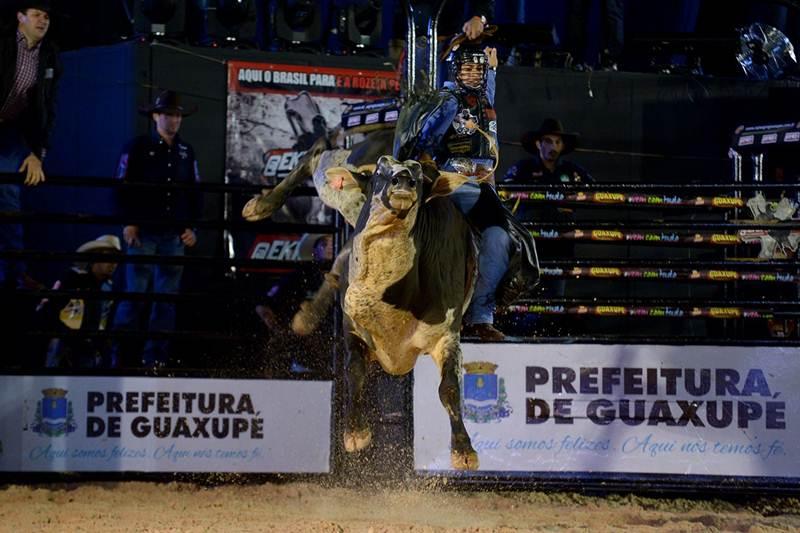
{"x": 448, "y": 357}
{"x": 357, "y": 433}
{"x": 264, "y": 205}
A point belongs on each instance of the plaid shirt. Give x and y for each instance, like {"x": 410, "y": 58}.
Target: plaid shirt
{"x": 24, "y": 79}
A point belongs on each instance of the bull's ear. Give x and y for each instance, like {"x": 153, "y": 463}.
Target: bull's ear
{"x": 339, "y": 178}
{"x": 446, "y": 184}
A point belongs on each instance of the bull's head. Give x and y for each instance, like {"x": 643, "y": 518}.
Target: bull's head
{"x": 399, "y": 185}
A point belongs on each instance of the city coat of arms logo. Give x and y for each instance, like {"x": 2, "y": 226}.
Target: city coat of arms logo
{"x": 485, "y": 398}
{"x": 54, "y": 416}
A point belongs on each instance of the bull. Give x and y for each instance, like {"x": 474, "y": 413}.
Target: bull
{"x": 408, "y": 281}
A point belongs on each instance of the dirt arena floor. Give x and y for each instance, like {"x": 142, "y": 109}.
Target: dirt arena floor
{"x": 312, "y": 507}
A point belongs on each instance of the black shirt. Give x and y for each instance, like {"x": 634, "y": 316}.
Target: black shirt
{"x": 149, "y": 159}
{"x": 532, "y": 172}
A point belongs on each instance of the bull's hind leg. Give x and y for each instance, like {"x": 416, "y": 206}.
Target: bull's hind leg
{"x": 448, "y": 357}
{"x": 357, "y": 433}
{"x": 264, "y": 205}
{"x": 311, "y": 312}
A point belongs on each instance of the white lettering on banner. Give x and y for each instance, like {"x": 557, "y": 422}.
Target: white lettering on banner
{"x": 251, "y": 75}
{"x": 323, "y": 80}
{"x": 164, "y": 424}
{"x": 636, "y": 409}
{"x": 278, "y": 165}
{"x": 290, "y": 78}
{"x": 279, "y": 250}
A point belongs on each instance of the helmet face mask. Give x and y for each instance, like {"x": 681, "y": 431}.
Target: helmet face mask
{"x": 468, "y": 68}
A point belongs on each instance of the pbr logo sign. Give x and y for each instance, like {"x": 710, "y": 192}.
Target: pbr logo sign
{"x": 485, "y": 397}
{"x": 54, "y": 416}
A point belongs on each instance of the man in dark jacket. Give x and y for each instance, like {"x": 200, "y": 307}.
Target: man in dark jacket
{"x": 161, "y": 157}
{"x": 28, "y": 79}
{"x": 549, "y": 144}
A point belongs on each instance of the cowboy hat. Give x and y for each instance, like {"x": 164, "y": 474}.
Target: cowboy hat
{"x": 101, "y": 244}
{"x": 168, "y": 101}
{"x": 41, "y": 5}
{"x": 550, "y": 126}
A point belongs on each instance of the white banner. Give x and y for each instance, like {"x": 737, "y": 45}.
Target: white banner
{"x": 93, "y": 424}
{"x": 700, "y": 410}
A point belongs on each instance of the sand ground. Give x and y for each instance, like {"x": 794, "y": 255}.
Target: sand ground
{"x": 314, "y": 507}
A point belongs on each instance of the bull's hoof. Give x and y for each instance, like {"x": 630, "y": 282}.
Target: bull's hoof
{"x": 305, "y": 321}
{"x": 260, "y": 207}
{"x": 355, "y": 441}
{"x": 464, "y": 460}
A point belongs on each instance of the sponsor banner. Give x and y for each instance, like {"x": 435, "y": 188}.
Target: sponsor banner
{"x": 257, "y": 77}
{"x": 277, "y": 111}
{"x": 644, "y": 273}
{"x": 792, "y": 236}
{"x": 660, "y": 200}
{"x": 94, "y": 424}
{"x": 289, "y": 247}
{"x": 652, "y": 311}
{"x": 695, "y": 410}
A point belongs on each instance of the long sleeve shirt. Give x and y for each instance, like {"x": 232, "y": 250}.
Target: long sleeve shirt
{"x": 150, "y": 159}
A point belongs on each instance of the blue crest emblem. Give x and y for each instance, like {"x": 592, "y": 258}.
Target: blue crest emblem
{"x": 54, "y": 416}
{"x": 485, "y": 398}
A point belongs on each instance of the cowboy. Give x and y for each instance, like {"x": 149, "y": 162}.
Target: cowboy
{"x": 161, "y": 220}
{"x": 84, "y": 314}
{"x": 549, "y": 144}
{"x": 29, "y": 75}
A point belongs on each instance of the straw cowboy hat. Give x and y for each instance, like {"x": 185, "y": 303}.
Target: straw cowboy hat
{"x": 550, "y": 126}
{"x": 103, "y": 243}
{"x": 168, "y": 101}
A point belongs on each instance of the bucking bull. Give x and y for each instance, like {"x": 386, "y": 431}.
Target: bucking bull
{"x": 406, "y": 277}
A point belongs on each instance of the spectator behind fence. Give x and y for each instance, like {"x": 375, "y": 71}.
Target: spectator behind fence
{"x": 28, "y": 79}
{"x": 612, "y": 33}
{"x": 74, "y": 313}
{"x": 159, "y": 222}
{"x": 286, "y": 351}
{"x": 548, "y": 144}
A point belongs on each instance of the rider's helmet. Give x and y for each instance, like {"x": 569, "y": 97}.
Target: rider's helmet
{"x": 468, "y": 67}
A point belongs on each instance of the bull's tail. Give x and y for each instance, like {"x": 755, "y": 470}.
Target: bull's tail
{"x": 311, "y": 312}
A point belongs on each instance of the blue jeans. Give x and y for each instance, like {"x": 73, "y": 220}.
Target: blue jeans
{"x": 493, "y": 259}
{"x": 140, "y": 277}
{"x": 12, "y": 153}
